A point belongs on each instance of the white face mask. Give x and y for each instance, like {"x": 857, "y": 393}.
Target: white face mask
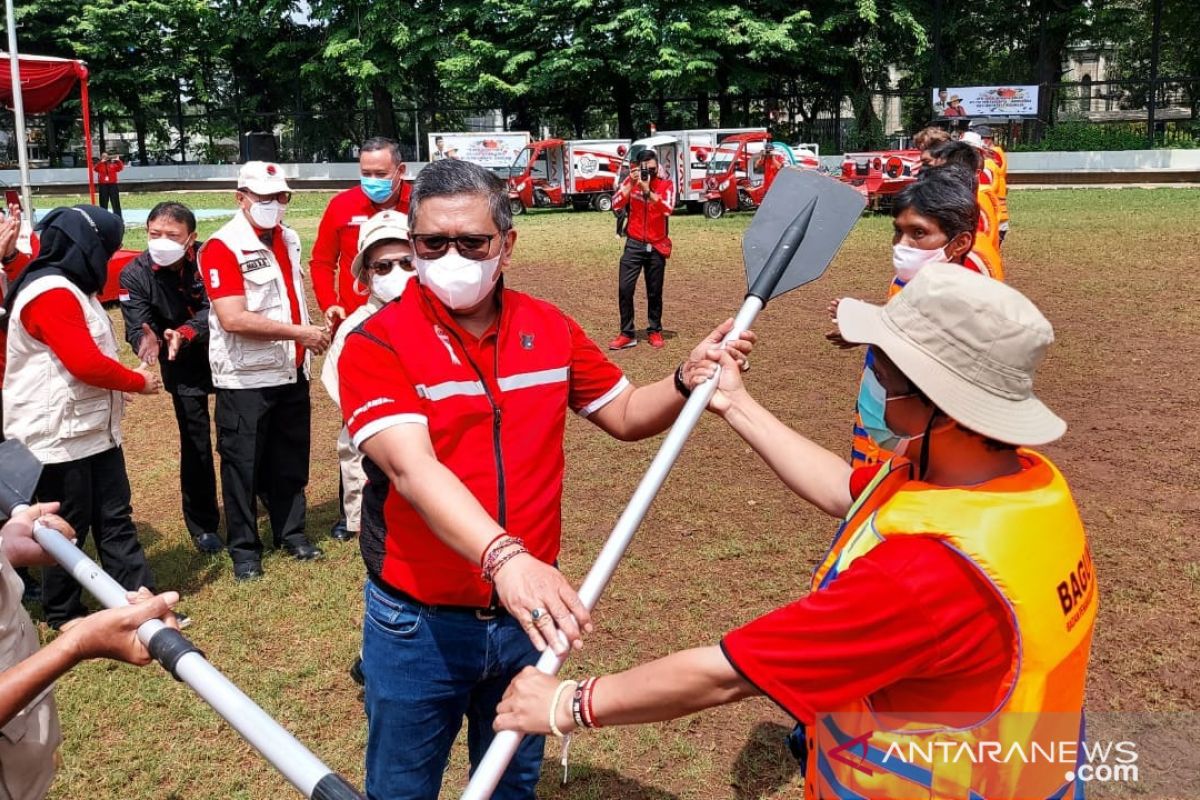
{"x": 908, "y": 261}
{"x": 458, "y": 282}
{"x": 388, "y": 287}
{"x": 267, "y": 214}
{"x": 164, "y": 252}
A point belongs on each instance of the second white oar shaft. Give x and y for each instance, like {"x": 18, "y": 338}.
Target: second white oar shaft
{"x": 504, "y": 746}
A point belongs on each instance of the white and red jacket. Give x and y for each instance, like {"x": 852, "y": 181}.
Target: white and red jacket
{"x": 106, "y": 171}
{"x": 496, "y": 408}
{"x": 648, "y": 218}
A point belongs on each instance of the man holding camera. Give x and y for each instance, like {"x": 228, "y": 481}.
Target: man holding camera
{"x": 650, "y": 199}
{"x": 106, "y": 175}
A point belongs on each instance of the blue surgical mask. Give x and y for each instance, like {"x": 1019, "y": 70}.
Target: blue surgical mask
{"x": 872, "y": 410}
{"x": 378, "y": 190}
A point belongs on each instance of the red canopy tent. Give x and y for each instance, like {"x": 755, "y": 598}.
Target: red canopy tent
{"x": 45, "y": 83}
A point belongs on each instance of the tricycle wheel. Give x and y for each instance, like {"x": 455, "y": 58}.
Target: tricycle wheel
{"x": 714, "y": 209}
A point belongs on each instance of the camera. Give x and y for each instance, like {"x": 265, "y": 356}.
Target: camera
{"x": 646, "y": 173}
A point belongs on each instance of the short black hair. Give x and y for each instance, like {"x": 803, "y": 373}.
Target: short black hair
{"x": 174, "y": 211}
{"x": 945, "y": 194}
{"x": 450, "y": 177}
{"x": 383, "y": 143}
{"x": 646, "y": 155}
{"x": 960, "y": 153}
{"x": 438, "y": 139}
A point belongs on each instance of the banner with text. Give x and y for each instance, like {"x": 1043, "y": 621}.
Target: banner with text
{"x": 986, "y": 101}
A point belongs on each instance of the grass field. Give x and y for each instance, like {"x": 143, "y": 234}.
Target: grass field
{"x": 1114, "y": 270}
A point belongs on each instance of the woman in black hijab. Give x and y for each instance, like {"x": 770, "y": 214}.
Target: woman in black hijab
{"x": 76, "y": 242}
{"x": 64, "y": 396}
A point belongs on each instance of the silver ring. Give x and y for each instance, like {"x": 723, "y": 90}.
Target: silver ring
{"x": 536, "y": 614}
{"x": 745, "y": 365}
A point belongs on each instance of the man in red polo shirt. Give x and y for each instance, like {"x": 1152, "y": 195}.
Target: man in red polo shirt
{"x": 381, "y": 187}
{"x": 259, "y": 344}
{"x": 457, "y": 393}
{"x": 650, "y": 199}
{"x": 106, "y": 175}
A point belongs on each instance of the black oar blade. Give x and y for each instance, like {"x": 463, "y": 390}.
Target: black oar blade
{"x": 19, "y": 474}
{"x": 835, "y": 208}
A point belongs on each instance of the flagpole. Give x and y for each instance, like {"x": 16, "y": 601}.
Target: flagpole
{"x": 18, "y": 108}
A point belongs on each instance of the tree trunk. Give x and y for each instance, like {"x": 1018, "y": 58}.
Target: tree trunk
{"x": 724, "y": 101}
{"x": 622, "y": 95}
{"x": 139, "y": 126}
{"x": 578, "y": 114}
{"x": 703, "y": 117}
{"x": 385, "y": 110}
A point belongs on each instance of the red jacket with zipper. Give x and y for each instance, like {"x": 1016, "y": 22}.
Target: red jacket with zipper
{"x": 648, "y": 218}
{"x": 496, "y": 408}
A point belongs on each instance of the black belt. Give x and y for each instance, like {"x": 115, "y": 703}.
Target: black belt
{"x": 486, "y": 613}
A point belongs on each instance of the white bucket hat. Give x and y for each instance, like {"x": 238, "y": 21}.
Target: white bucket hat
{"x": 384, "y": 225}
{"x": 970, "y": 343}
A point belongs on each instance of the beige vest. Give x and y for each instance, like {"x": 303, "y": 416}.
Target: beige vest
{"x": 59, "y": 417}
{"x": 28, "y": 741}
{"x": 239, "y": 362}
{"x": 329, "y": 370}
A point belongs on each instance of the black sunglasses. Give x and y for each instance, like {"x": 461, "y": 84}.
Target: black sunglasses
{"x": 283, "y": 197}
{"x": 385, "y": 265}
{"x": 475, "y": 246}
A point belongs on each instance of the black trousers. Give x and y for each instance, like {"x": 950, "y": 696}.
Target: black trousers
{"x": 197, "y": 468}
{"x": 111, "y": 193}
{"x": 634, "y": 260}
{"x": 94, "y": 493}
{"x": 263, "y": 438}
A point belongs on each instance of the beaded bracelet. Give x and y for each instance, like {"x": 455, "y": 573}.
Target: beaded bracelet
{"x": 509, "y": 555}
{"x": 488, "y": 547}
{"x": 589, "y": 714}
{"x": 499, "y": 553}
{"x": 577, "y": 705}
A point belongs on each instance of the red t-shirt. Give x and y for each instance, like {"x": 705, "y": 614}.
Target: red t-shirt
{"x": 911, "y": 625}
{"x": 223, "y": 276}
{"x": 337, "y": 245}
{"x": 56, "y": 319}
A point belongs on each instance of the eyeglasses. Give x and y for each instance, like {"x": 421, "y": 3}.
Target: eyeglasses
{"x": 475, "y": 246}
{"x": 282, "y": 197}
{"x": 385, "y": 265}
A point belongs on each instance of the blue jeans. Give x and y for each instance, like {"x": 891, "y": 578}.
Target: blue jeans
{"x": 426, "y": 668}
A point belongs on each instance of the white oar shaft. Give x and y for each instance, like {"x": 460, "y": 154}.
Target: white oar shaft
{"x": 504, "y": 746}
{"x": 293, "y": 760}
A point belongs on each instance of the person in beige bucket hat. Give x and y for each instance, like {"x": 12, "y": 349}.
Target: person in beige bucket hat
{"x": 957, "y": 596}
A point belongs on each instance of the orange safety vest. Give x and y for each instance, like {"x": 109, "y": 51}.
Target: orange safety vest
{"x": 995, "y": 166}
{"x": 989, "y": 212}
{"x": 1024, "y": 536}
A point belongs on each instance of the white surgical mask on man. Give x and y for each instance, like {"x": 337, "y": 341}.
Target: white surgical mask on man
{"x": 267, "y": 214}
{"x": 908, "y": 261}
{"x": 458, "y": 282}
{"x": 164, "y": 252}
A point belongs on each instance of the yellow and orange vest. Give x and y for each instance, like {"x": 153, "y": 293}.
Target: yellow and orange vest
{"x": 1024, "y": 535}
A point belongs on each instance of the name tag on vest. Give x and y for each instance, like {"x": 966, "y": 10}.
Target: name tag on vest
{"x": 262, "y": 262}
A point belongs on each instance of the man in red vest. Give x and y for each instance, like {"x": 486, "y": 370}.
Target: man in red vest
{"x": 457, "y": 393}
{"x": 106, "y": 175}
